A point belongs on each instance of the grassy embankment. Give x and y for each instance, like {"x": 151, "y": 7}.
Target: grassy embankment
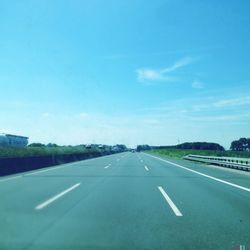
{"x": 41, "y": 151}
{"x": 179, "y": 153}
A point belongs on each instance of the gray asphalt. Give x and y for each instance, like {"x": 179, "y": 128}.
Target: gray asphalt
{"x": 117, "y": 204}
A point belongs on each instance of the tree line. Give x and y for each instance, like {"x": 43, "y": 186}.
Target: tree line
{"x": 243, "y": 144}
{"x": 194, "y": 146}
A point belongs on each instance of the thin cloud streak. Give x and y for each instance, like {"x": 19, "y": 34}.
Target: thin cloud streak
{"x": 146, "y": 74}
{"x": 181, "y": 63}
{"x": 234, "y": 117}
{"x": 223, "y": 104}
{"x": 233, "y": 102}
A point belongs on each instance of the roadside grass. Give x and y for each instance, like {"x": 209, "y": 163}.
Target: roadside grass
{"x": 41, "y": 151}
{"x": 179, "y": 153}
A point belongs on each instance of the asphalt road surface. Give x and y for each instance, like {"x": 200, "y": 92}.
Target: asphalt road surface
{"x": 126, "y": 201}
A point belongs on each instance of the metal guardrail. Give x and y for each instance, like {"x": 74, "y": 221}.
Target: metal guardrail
{"x": 230, "y": 162}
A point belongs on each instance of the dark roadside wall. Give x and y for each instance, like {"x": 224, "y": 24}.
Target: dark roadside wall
{"x": 15, "y": 165}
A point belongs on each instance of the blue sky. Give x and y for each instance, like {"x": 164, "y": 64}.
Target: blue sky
{"x": 132, "y": 72}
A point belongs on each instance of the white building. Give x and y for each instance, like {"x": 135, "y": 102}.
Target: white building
{"x": 8, "y": 140}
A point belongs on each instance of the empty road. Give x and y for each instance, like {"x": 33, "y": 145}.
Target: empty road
{"x": 126, "y": 201}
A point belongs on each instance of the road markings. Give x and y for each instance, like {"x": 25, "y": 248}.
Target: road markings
{"x": 170, "y": 202}
{"x": 34, "y": 172}
{"x": 60, "y": 166}
{"x": 11, "y": 178}
{"x": 205, "y": 175}
{"x": 146, "y": 168}
{"x": 54, "y": 198}
{"x": 43, "y": 171}
{"x": 108, "y": 166}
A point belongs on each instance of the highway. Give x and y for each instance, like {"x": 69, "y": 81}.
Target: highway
{"x": 126, "y": 201}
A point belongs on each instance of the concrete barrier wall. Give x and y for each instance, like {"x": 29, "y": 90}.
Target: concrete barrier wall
{"x": 15, "y": 165}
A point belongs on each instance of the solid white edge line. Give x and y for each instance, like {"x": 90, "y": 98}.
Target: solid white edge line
{"x": 170, "y": 202}
{"x": 50, "y": 168}
{"x": 146, "y": 168}
{"x": 52, "y": 199}
{"x": 43, "y": 171}
{"x": 205, "y": 175}
{"x": 60, "y": 166}
{"x": 11, "y": 178}
{"x": 34, "y": 172}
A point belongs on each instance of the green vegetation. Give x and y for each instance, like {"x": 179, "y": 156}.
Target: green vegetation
{"x": 39, "y": 150}
{"x": 179, "y": 153}
{"x": 239, "y": 148}
{"x": 194, "y": 146}
{"x": 201, "y": 146}
{"x": 243, "y": 144}
{"x": 142, "y": 148}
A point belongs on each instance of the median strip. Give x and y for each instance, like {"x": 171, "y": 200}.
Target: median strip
{"x": 170, "y": 202}
{"x": 54, "y": 198}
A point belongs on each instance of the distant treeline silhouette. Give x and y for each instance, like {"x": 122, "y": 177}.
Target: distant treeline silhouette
{"x": 193, "y": 145}
{"x": 243, "y": 144}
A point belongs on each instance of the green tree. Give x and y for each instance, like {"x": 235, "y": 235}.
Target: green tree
{"x": 243, "y": 144}
{"x": 36, "y": 144}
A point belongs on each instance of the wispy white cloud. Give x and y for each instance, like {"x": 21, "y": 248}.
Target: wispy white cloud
{"x": 232, "y": 102}
{"x": 146, "y": 74}
{"x": 150, "y": 74}
{"x": 217, "y": 118}
{"x": 181, "y": 63}
{"x": 197, "y": 84}
{"x": 222, "y": 104}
